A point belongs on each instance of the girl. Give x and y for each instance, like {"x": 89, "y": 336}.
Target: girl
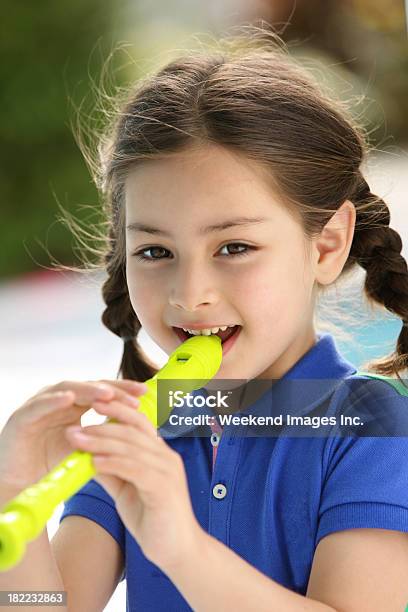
{"x": 235, "y": 197}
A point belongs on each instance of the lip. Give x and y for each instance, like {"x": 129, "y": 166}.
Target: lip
{"x": 226, "y": 346}
{"x": 199, "y": 326}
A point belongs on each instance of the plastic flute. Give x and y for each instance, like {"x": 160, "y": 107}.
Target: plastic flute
{"x": 22, "y": 519}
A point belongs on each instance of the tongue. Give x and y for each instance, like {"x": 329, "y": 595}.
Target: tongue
{"x": 224, "y": 335}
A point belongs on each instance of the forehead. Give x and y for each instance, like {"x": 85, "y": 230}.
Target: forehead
{"x": 208, "y": 172}
{"x": 202, "y": 186}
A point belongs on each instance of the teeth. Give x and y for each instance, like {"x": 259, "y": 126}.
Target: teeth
{"x": 208, "y": 331}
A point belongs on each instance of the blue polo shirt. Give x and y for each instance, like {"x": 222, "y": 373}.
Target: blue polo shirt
{"x": 272, "y": 498}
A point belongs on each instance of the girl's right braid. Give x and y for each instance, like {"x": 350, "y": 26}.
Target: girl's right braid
{"x": 377, "y": 248}
{"x": 120, "y": 318}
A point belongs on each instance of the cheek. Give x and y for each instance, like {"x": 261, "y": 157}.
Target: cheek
{"x": 294, "y": 299}
{"x": 144, "y": 305}
{"x": 276, "y": 291}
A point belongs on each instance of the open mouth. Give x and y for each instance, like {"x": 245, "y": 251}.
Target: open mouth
{"x": 224, "y": 335}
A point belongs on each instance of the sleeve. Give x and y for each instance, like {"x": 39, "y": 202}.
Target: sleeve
{"x": 366, "y": 477}
{"x": 94, "y": 503}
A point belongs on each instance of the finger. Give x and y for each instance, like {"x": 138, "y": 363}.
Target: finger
{"x": 115, "y": 437}
{"x": 126, "y": 414}
{"x": 128, "y": 385}
{"x": 140, "y": 458}
{"x": 108, "y": 446}
{"x": 144, "y": 476}
{"x": 43, "y": 405}
{"x": 127, "y": 391}
{"x": 86, "y": 392}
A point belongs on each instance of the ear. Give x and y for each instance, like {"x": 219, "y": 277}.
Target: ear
{"x": 333, "y": 245}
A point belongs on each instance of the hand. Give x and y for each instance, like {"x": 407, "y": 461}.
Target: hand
{"x": 33, "y": 439}
{"x": 147, "y": 480}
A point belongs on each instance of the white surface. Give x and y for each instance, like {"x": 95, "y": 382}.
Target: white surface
{"x": 51, "y": 331}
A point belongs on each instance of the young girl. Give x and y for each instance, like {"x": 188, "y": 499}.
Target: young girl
{"x": 236, "y": 196}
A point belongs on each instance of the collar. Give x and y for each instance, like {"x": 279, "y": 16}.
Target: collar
{"x": 311, "y": 380}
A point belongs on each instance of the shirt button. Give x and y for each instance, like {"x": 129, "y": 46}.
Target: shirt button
{"x": 219, "y": 491}
{"x": 215, "y": 439}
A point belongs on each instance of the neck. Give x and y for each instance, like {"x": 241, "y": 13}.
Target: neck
{"x": 246, "y": 394}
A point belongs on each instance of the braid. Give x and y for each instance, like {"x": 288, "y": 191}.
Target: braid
{"x": 120, "y": 318}
{"x": 377, "y": 248}
{"x": 255, "y": 101}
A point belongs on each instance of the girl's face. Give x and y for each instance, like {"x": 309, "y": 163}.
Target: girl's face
{"x": 256, "y": 275}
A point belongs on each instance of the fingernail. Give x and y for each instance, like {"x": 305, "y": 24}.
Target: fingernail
{"x": 133, "y": 400}
{"x": 139, "y": 385}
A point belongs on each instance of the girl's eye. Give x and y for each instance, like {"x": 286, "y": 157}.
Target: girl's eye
{"x": 140, "y": 254}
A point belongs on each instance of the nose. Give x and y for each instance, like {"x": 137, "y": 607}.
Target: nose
{"x": 191, "y": 290}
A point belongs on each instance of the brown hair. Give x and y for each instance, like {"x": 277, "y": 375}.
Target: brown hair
{"x": 249, "y": 96}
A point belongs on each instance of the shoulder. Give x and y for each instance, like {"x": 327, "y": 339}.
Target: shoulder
{"x": 371, "y": 422}
{"x": 380, "y": 403}
{"x": 362, "y": 385}
{"x": 366, "y": 465}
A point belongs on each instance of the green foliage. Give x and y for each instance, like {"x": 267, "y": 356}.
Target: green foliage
{"x": 53, "y": 51}
{"x": 50, "y": 51}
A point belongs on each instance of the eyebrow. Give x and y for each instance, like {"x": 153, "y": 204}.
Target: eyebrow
{"x": 217, "y": 227}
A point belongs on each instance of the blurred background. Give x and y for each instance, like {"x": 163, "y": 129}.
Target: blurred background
{"x": 50, "y": 322}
